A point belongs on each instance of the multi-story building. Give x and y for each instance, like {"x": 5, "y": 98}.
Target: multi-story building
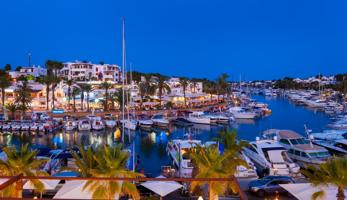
{"x": 34, "y": 71}
{"x": 82, "y": 71}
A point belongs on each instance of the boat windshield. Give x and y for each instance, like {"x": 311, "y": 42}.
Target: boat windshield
{"x": 299, "y": 141}
{"x": 322, "y": 154}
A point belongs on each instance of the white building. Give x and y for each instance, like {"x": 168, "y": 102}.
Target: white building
{"x": 34, "y": 71}
{"x": 81, "y": 71}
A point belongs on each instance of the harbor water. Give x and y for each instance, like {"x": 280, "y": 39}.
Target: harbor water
{"x": 150, "y": 147}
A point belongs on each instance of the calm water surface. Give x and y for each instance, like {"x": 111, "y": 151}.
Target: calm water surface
{"x": 151, "y": 146}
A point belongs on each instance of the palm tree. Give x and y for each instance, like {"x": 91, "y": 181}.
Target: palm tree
{"x": 87, "y": 89}
{"x": 22, "y": 161}
{"x": 52, "y": 69}
{"x": 210, "y": 164}
{"x": 184, "y": 85}
{"x": 111, "y": 164}
{"x": 23, "y": 97}
{"x": 47, "y": 80}
{"x": 82, "y": 88}
{"x": 162, "y": 87}
{"x": 5, "y": 82}
{"x": 106, "y": 86}
{"x": 69, "y": 84}
{"x": 223, "y": 84}
{"x": 55, "y": 81}
{"x": 146, "y": 88}
{"x": 75, "y": 91}
{"x": 333, "y": 172}
{"x": 210, "y": 88}
{"x": 12, "y": 108}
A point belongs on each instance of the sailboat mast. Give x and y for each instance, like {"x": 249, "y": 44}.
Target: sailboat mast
{"x": 123, "y": 78}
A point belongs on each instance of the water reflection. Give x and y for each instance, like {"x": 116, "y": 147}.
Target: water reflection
{"x": 150, "y": 147}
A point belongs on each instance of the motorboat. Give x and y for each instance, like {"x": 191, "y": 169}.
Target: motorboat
{"x": 181, "y": 121}
{"x": 246, "y": 172}
{"x": 241, "y": 171}
{"x": 84, "y": 124}
{"x": 70, "y": 125}
{"x": 110, "y": 122}
{"x": 336, "y": 147}
{"x": 97, "y": 124}
{"x": 198, "y": 118}
{"x": 218, "y": 118}
{"x": 179, "y": 150}
{"x": 301, "y": 150}
{"x": 25, "y": 127}
{"x": 271, "y": 158}
{"x": 241, "y": 113}
{"x": 160, "y": 120}
{"x": 129, "y": 124}
{"x": 145, "y": 123}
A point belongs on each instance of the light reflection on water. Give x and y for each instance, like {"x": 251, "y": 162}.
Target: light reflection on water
{"x": 151, "y": 146}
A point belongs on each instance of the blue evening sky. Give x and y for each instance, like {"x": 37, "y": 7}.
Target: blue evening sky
{"x": 259, "y": 39}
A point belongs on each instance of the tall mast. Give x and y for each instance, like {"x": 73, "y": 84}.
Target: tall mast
{"x": 123, "y": 78}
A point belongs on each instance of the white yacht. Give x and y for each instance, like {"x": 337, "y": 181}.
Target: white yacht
{"x": 218, "y": 118}
{"x": 97, "y": 124}
{"x": 129, "y": 124}
{"x": 241, "y": 113}
{"x": 160, "y": 120}
{"x": 145, "y": 124}
{"x": 271, "y": 158}
{"x": 179, "y": 152}
{"x": 300, "y": 149}
{"x": 84, "y": 125}
{"x": 70, "y": 125}
{"x": 110, "y": 122}
{"x": 198, "y": 118}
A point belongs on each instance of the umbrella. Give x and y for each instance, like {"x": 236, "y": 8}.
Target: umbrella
{"x": 304, "y": 191}
{"x": 74, "y": 190}
{"x": 162, "y": 188}
{"x": 48, "y": 184}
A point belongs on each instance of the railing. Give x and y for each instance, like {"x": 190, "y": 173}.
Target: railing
{"x": 20, "y": 179}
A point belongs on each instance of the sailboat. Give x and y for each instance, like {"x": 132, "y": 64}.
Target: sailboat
{"x": 128, "y": 123}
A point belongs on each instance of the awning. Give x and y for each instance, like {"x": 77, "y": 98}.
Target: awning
{"x": 48, "y": 184}
{"x": 74, "y": 190}
{"x": 304, "y": 191}
{"x": 162, "y": 188}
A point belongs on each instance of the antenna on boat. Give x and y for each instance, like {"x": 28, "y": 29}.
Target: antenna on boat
{"x": 309, "y": 136}
{"x": 123, "y": 78}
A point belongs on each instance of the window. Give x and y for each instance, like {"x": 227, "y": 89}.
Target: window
{"x": 297, "y": 153}
{"x": 252, "y": 149}
{"x": 291, "y": 151}
{"x": 284, "y": 141}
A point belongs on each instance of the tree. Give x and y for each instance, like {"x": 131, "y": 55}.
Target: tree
{"x": 111, "y": 164}
{"x": 87, "y": 89}
{"x": 208, "y": 163}
{"x": 184, "y": 85}
{"x": 210, "y": 88}
{"x": 223, "y": 84}
{"x": 47, "y": 80}
{"x": 146, "y": 88}
{"x": 332, "y": 172}
{"x": 75, "y": 91}
{"x": 55, "y": 82}
{"x": 54, "y": 66}
{"x": 23, "y": 97}
{"x": 83, "y": 87}
{"x": 12, "y": 108}
{"x": 162, "y": 87}
{"x": 5, "y": 82}
{"x": 106, "y": 86}
{"x": 18, "y": 68}
{"x": 7, "y": 67}
{"x": 70, "y": 83}
{"x": 22, "y": 161}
